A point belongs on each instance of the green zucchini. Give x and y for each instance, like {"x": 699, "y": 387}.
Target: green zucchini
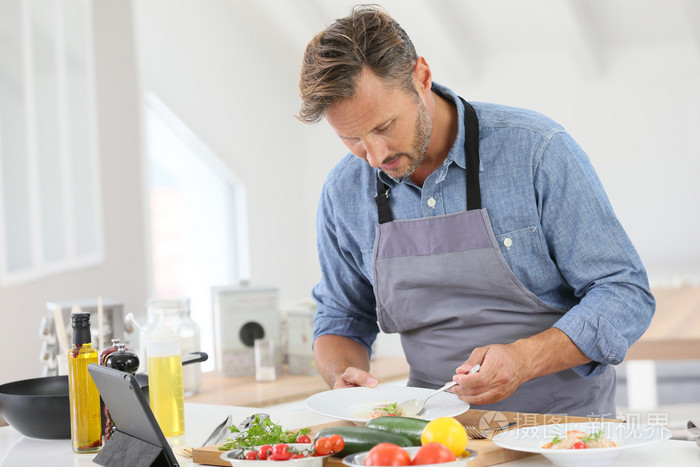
{"x": 411, "y": 428}
{"x": 360, "y": 438}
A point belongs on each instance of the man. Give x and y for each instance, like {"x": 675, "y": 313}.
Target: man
{"x": 479, "y": 232}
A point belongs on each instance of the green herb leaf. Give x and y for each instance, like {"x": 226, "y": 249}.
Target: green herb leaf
{"x": 259, "y": 433}
{"x": 593, "y": 436}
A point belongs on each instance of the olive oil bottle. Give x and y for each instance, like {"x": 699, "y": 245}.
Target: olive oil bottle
{"x": 165, "y": 385}
{"x": 85, "y": 417}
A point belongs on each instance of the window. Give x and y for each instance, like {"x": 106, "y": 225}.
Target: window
{"x": 197, "y": 218}
{"x": 50, "y": 219}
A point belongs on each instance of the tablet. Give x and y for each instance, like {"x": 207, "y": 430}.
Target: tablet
{"x": 134, "y": 421}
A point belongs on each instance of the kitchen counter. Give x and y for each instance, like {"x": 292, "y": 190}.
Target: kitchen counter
{"x": 245, "y": 391}
{"x": 19, "y": 451}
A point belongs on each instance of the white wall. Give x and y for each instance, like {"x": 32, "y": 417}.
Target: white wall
{"x": 227, "y": 79}
{"x": 122, "y": 275}
{"x": 229, "y": 69}
{"x": 630, "y": 98}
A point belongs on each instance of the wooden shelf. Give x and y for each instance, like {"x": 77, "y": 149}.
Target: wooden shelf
{"x": 674, "y": 333}
{"x": 245, "y": 391}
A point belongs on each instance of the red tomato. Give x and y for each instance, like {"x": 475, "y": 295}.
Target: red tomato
{"x": 323, "y": 446}
{"x": 297, "y": 456}
{"x": 281, "y": 452}
{"x": 579, "y": 445}
{"x": 387, "y": 454}
{"x": 337, "y": 443}
{"x": 264, "y": 451}
{"x": 303, "y": 439}
{"x": 433, "y": 453}
{"x": 251, "y": 456}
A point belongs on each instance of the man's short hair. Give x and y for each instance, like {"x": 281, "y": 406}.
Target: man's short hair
{"x": 367, "y": 38}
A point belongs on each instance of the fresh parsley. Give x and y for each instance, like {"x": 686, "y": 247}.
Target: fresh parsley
{"x": 593, "y": 436}
{"x": 392, "y": 409}
{"x": 261, "y": 432}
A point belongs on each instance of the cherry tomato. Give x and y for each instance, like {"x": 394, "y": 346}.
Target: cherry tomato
{"x": 323, "y": 446}
{"x": 337, "y": 443}
{"x": 433, "y": 453}
{"x": 251, "y": 456}
{"x": 303, "y": 439}
{"x": 281, "y": 452}
{"x": 579, "y": 445}
{"x": 264, "y": 452}
{"x": 387, "y": 454}
{"x": 297, "y": 456}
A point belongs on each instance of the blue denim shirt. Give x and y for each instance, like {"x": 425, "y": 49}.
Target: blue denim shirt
{"x": 551, "y": 216}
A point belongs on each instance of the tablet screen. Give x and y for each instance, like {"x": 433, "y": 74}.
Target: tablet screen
{"x": 129, "y": 408}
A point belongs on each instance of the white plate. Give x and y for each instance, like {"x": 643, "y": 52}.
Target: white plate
{"x": 301, "y": 462}
{"x": 625, "y": 435}
{"x": 355, "y": 404}
{"x": 358, "y": 459}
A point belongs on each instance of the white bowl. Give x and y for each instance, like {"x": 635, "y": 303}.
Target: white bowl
{"x": 358, "y": 458}
{"x": 314, "y": 461}
{"x": 625, "y": 435}
{"x": 355, "y": 404}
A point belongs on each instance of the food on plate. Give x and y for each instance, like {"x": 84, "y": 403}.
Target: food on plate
{"x": 262, "y": 432}
{"x": 433, "y": 453}
{"x": 448, "y": 431}
{"x": 577, "y": 439}
{"x": 390, "y": 409}
{"x": 410, "y": 427}
{"x": 360, "y": 438}
{"x": 387, "y": 454}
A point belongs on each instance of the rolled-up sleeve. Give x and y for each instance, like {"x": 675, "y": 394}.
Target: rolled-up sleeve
{"x": 344, "y": 295}
{"x": 594, "y": 255}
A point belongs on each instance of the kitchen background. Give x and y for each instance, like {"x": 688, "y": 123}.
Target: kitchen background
{"x": 149, "y": 148}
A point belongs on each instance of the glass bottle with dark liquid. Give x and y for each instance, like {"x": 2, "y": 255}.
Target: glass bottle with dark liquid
{"x": 85, "y": 420}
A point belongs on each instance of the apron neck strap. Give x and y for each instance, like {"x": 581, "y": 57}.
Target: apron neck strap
{"x": 471, "y": 156}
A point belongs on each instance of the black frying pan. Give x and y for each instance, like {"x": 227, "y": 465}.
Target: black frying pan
{"x": 39, "y": 407}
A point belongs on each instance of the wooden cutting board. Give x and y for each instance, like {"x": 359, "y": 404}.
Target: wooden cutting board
{"x": 487, "y": 452}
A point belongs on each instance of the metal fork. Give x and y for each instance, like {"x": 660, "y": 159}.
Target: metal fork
{"x": 476, "y": 433}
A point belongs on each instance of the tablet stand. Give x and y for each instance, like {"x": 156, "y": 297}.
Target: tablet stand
{"x": 123, "y": 449}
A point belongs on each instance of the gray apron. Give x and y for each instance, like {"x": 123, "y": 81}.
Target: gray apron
{"x": 444, "y": 285}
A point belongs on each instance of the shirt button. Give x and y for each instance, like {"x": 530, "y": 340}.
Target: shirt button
{"x": 508, "y": 242}
{"x": 431, "y": 202}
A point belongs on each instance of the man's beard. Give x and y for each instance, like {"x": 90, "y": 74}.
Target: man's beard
{"x": 421, "y": 141}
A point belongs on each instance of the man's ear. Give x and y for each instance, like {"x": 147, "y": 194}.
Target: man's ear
{"x": 422, "y": 76}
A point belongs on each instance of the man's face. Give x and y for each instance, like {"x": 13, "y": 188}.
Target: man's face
{"x": 387, "y": 126}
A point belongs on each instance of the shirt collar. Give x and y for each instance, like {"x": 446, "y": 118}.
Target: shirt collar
{"x": 456, "y": 153}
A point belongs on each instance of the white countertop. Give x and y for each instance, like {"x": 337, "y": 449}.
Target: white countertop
{"x": 200, "y": 419}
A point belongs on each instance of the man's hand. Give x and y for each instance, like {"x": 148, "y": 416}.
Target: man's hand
{"x": 353, "y": 377}
{"x": 499, "y": 376}
{"x": 505, "y": 367}
{"x": 342, "y": 362}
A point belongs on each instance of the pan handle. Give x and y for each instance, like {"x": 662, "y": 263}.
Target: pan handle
{"x": 194, "y": 357}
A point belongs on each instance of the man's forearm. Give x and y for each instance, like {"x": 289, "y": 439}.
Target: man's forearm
{"x": 334, "y": 354}
{"x": 547, "y": 352}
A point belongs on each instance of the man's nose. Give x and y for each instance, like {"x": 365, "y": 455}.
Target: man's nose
{"x": 375, "y": 151}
